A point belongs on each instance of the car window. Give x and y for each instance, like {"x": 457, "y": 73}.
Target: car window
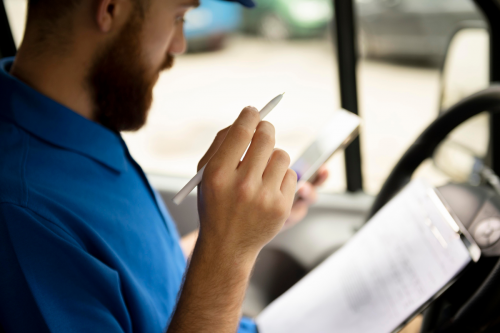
{"x": 432, "y": 6}
{"x": 239, "y": 57}
{"x": 16, "y": 13}
{"x": 230, "y": 66}
{"x": 403, "y": 45}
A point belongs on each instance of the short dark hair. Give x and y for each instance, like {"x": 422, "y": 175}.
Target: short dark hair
{"x": 53, "y": 10}
{"x": 49, "y": 19}
{"x": 50, "y": 22}
{"x": 50, "y": 10}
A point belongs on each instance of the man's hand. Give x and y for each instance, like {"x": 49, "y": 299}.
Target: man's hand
{"x": 245, "y": 204}
{"x": 242, "y": 206}
{"x": 307, "y": 195}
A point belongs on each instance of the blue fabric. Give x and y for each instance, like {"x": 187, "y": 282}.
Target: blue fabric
{"x": 86, "y": 245}
{"x": 246, "y": 3}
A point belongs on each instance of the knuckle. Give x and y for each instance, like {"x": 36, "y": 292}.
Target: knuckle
{"x": 266, "y": 138}
{"x": 292, "y": 175}
{"x": 267, "y": 126}
{"x": 282, "y": 157}
{"x": 245, "y": 189}
{"x": 242, "y": 132}
{"x": 214, "y": 177}
{"x": 222, "y": 133}
{"x": 271, "y": 204}
{"x": 266, "y": 133}
{"x": 250, "y": 113}
{"x": 265, "y": 199}
{"x": 219, "y": 138}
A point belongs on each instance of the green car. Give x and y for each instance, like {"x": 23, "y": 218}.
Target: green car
{"x": 283, "y": 19}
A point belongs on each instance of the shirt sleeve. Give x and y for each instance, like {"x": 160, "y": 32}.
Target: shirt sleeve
{"x": 52, "y": 283}
{"x": 247, "y": 325}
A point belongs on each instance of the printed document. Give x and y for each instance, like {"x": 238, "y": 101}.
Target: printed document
{"x": 398, "y": 261}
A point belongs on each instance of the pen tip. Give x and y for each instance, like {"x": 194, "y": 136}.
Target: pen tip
{"x": 283, "y": 94}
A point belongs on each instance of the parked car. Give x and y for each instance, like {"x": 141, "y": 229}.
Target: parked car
{"x": 207, "y": 26}
{"x": 412, "y": 28}
{"x": 283, "y": 19}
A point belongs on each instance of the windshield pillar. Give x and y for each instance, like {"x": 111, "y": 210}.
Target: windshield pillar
{"x": 346, "y": 41}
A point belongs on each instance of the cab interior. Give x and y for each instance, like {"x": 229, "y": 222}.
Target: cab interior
{"x": 421, "y": 74}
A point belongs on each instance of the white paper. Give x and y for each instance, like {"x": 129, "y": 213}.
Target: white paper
{"x": 404, "y": 256}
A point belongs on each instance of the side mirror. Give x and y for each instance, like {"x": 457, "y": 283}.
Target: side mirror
{"x": 466, "y": 65}
{"x": 465, "y": 71}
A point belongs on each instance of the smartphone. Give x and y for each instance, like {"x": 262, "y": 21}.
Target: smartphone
{"x": 337, "y": 134}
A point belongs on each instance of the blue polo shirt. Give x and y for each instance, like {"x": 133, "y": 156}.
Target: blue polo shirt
{"x": 86, "y": 245}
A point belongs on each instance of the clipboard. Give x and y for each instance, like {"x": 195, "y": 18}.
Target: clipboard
{"x": 407, "y": 255}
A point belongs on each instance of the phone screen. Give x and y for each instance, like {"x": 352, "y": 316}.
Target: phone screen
{"x": 307, "y": 159}
{"x": 336, "y": 134}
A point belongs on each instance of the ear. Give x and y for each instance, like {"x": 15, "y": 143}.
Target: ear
{"x": 111, "y": 13}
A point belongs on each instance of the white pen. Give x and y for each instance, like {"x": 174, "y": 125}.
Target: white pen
{"x": 179, "y": 197}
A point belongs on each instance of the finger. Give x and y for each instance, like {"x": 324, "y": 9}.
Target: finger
{"x": 298, "y": 208}
{"x": 289, "y": 185}
{"x": 308, "y": 193}
{"x": 276, "y": 169}
{"x": 321, "y": 177}
{"x": 260, "y": 150}
{"x": 219, "y": 138}
{"x": 237, "y": 139}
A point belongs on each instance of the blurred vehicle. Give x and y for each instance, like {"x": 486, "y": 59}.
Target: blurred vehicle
{"x": 418, "y": 29}
{"x": 284, "y": 19}
{"x": 207, "y": 26}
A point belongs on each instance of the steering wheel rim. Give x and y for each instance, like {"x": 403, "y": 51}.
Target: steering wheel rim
{"x": 425, "y": 145}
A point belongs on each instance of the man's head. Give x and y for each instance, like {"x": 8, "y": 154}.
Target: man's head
{"x": 124, "y": 72}
{"x": 128, "y": 43}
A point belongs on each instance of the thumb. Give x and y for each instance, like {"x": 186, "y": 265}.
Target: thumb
{"x": 219, "y": 139}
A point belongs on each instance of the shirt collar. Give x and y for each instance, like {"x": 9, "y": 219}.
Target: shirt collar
{"x": 55, "y": 123}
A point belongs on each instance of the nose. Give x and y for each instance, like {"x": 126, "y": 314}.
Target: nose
{"x": 178, "y": 45}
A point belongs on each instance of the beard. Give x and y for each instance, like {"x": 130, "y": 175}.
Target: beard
{"x": 121, "y": 83}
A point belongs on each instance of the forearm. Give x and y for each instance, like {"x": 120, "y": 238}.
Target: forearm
{"x": 213, "y": 290}
{"x": 242, "y": 205}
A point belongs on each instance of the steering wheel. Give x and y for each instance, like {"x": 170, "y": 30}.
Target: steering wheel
{"x": 486, "y": 274}
{"x": 424, "y": 147}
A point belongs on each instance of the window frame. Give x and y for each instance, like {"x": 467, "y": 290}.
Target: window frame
{"x": 7, "y": 44}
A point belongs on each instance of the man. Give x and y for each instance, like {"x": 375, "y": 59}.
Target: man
{"x": 85, "y": 243}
